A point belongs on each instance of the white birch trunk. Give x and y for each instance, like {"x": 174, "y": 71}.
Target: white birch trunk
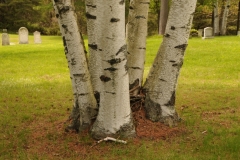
{"x": 85, "y": 107}
{"x": 114, "y": 115}
{"x": 161, "y": 83}
{"x": 225, "y": 17}
{"x": 163, "y": 16}
{"x": 216, "y": 19}
{"x": 92, "y": 12}
{"x": 136, "y": 42}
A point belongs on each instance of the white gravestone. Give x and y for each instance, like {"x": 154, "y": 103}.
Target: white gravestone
{"x": 200, "y": 32}
{"x": 37, "y": 37}
{"x": 208, "y": 33}
{"x": 23, "y": 35}
{"x": 5, "y": 38}
{"x": 238, "y": 33}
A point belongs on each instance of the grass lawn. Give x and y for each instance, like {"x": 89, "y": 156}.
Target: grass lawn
{"x": 36, "y": 98}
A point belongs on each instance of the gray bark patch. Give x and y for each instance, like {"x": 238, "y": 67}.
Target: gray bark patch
{"x": 105, "y": 78}
{"x": 171, "y": 102}
{"x": 89, "y": 16}
{"x": 153, "y": 109}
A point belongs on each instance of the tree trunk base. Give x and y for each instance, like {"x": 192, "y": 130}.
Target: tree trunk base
{"x": 157, "y": 113}
{"x": 127, "y": 130}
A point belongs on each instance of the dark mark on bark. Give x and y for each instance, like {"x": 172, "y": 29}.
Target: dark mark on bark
{"x": 142, "y": 48}
{"x": 114, "y": 61}
{"x": 138, "y": 17}
{"x": 111, "y": 69}
{"x": 167, "y": 35}
{"x": 105, "y": 78}
{"x": 100, "y": 49}
{"x": 82, "y": 94}
{"x": 175, "y": 65}
{"x": 97, "y": 96}
{"x": 172, "y": 61}
{"x": 57, "y": 15}
{"x": 64, "y": 9}
{"x": 130, "y": 7}
{"x": 134, "y": 84}
{"x": 110, "y": 92}
{"x": 65, "y": 45}
{"x": 182, "y": 47}
{"x": 114, "y": 20}
{"x": 135, "y": 67}
{"x": 92, "y": 6}
{"x": 163, "y": 80}
{"x": 89, "y": 16}
{"x": 82, "y": 77}
{"x": 93, "y": 46}
{"x": 153, "y": 109}
{"x": 122, "y": 49}
{"x": 73, "y": 62}
{"x": 121, "y": 2}
{"x": 171, "y": 102}
{"x": 128, "y": 52}
{"x": 173, "y": 28}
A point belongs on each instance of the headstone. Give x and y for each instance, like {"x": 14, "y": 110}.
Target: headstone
{"x": 238, "y": 33}
{"x": 5, "y": 38}
{"x": 23, "y": 35}
{"x": 200, "y": 32}
{"x": 208, "y": 33}
{"x": 37, "y": 37}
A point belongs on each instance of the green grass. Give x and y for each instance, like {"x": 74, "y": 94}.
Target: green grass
{"x": 35, "y": 87}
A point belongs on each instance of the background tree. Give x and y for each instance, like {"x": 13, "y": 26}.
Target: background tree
{"x": 163, "y": 16}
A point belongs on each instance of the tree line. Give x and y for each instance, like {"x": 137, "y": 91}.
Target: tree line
{"x": 39, "y": 15}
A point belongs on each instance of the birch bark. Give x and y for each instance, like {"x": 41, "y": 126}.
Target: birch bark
{"x": 161, "y": 83}
{"x": 225, "y": 17}
{"x": 114, "y": 116}
{"x": 85, "y": 107}
{"x": 163, "y": 16}
{"x": 92, "y": 12}
{"x": 216, "y": 19}
{"x": 136, "y": 42}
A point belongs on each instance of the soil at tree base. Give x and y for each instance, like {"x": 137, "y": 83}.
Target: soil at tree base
{"x": 50, "y": 139}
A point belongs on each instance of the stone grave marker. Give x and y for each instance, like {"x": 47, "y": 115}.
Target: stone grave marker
{"x": 200, "y": 32}
{"x": 5, "y": 38}
{"x": 23, "y": 35}
{"x": 37, "y": 37}
{"x": 208, "y": 33}
{"x": 238, "y": 33}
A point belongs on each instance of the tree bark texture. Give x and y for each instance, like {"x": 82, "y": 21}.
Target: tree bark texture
{"x": 225, "y": 17}
{"x": 161, "y": 83}
{"x": 216, "y": 19}
{"x": 163, "y": 16}
{"x": 92, "y": 12}
{"x": 136, "y": 42}
{"x": 85, "y": 106}
{"x": 114, "y": 116}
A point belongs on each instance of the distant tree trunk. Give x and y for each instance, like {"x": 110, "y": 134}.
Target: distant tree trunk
{"x": 160, "y": 86}
{"x": 216, "y": 19}
{"x": 114, "y": 117}
{"x": 136, "y": 42}
{"x": 225, "y": 17}
{"x": 94, "y": 59}
{"x": 163, "y": 16}
{"x": 238, "y": 20}
{"x": 85, "y": 107}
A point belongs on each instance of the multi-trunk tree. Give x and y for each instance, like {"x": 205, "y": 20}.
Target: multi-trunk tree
{"x": 113, "y": 60}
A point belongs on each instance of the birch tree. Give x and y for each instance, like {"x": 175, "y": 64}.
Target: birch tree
{"x": 136, "y": 42}
{"x": 216, "y": 18}
{"x": 163, "y": 16}
{"x": 225, "y": 17}
{"x": 85, "y": 107}
{"x": 114, "y": 116}
{"x": 160, "y": 86}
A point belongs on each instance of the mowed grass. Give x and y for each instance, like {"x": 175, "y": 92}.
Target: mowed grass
{"x": 35, "y": 89}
